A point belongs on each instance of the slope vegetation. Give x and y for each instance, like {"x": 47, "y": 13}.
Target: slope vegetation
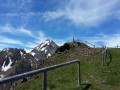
{"x": 94, "y": 76}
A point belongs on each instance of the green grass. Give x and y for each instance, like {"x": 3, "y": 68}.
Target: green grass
{"x": 94, "y": 76}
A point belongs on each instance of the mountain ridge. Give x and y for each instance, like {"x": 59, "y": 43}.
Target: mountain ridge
{"x": 14, "y": 61}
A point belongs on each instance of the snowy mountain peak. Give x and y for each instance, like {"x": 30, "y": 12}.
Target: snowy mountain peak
{"x": 7, "y": 49}
{"x": 44, "y": 50}
{"x": 41, "y": 47}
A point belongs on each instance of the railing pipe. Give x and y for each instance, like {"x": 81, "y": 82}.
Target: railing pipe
{"x": 44, "y": 70}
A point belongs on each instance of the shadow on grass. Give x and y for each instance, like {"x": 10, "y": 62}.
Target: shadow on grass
{"x": 110, "y": 55}
{"x": 86, "y": 87}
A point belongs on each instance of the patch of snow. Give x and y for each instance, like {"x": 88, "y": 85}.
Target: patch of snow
{"x": 6, "y": 56}
{"x": 48, "y": 55}
{"x": 43, "y": 48}
{"x": 37, "y": 48}
{"x": 21, "y": 53}
{"x": 6, "y": 49}
{"x": 9, "y": 53}
{"x": 36, "y": 59}
{"x": 46, "y": 42}
{"x": 5, "y": 68}
{"x": 31, "y": 64}
{"x": 1, "y": 76}
{"x": 45, "y": 51}
{"x": 28, "y": 50}
{"x": 53, "y": 45}
{"x": 42, "y": 45}
{"x": 32, "y": 53}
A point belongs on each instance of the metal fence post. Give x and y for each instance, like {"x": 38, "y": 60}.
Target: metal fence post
{"x": 102, "y": 58}
{"x": 44, "y": 80}
{"x": 79, "y": 76}
{"x": 106, "y": 54}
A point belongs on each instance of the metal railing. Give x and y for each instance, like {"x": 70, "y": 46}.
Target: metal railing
{"x": 104, "y": 55}
{"x": 89, "y": 44}
{"x": 44, "y": 70}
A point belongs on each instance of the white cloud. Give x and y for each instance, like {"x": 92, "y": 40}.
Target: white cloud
{"x": 113, "y": 41}
{"x": 108, "y": 40}
{"x": 10, "y": 41}
{"x": 26, "y": 31}
{"x": 16, "y": 31}
{"x": 59, "y": 42}
{"x": 6, "y": 28}
{"x": 3, "y": 46}
{"x": 30, "y": 45}
{"x": 85, "y": 12}
{"x": 52, "y": 15}
{"x": 14, "y": 4}
{"x": 24, "y": 15}
{"x": 40, "y": 38}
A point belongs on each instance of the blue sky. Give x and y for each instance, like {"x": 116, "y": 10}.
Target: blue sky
{"x": 27, "y": 23}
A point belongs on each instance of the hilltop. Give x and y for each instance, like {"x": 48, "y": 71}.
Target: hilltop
{"x": 68, "y": 52}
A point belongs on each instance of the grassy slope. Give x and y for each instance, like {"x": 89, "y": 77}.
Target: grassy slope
{"x": 94, "y": 75}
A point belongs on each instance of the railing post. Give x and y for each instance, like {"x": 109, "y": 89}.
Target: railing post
{"x": 102, "y": 58}
{"x": 44, "y": 80}
{"x": 106, "y": 54}
{"x": 79, "y": 76}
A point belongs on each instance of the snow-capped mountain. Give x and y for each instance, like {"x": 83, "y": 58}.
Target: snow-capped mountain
{"x": 15, "y": 61}
{"x": 44, "y": 50}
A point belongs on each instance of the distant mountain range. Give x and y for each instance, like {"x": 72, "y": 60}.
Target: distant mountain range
{"x": 15, "y": 61}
